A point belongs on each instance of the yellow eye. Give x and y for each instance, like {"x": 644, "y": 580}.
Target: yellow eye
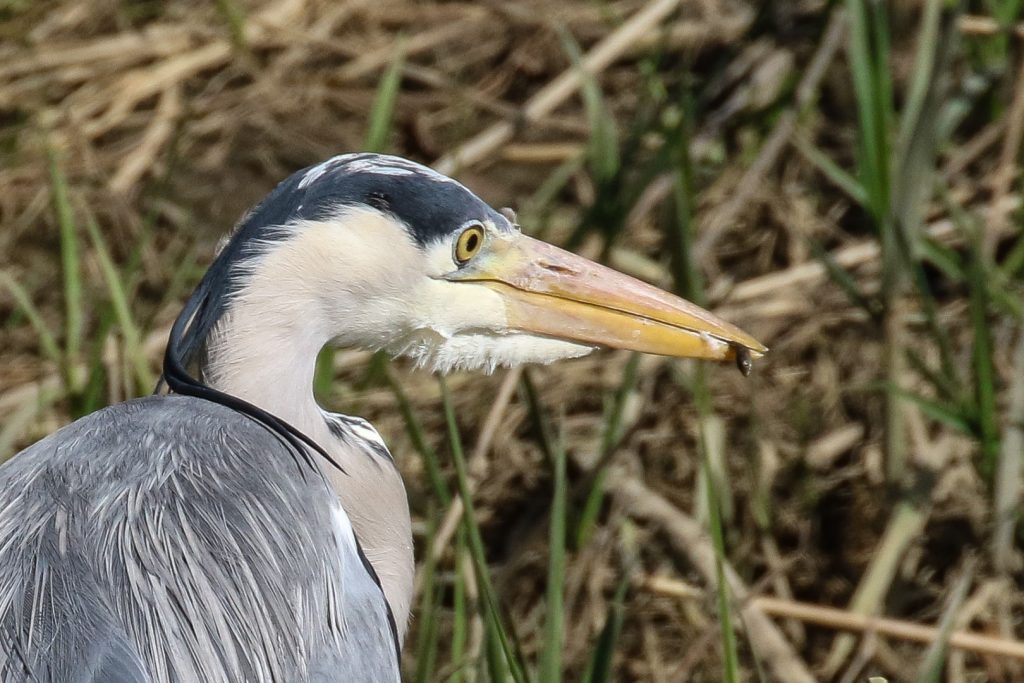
{"x": 469, "y": 243}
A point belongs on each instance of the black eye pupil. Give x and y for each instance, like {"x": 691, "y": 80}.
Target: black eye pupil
{"x": 472, "y": 241}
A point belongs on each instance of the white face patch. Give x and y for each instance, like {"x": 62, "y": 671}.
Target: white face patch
{"x": 463, "y": 325}
{"x": 487, "y": 352}
{"x": 359, "y": 279}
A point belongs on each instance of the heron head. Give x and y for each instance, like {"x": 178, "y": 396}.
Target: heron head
{"x": 392, "y": 255}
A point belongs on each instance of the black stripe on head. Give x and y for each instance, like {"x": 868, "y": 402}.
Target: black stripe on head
{"x": 432, "y": 205}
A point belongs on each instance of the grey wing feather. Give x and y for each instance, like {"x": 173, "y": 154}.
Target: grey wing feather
{"x": 172, "y": 539}
{"x": 72, "y": 634}
{"x": 119, "y": 663}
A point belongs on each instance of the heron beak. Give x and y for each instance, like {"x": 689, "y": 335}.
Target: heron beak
{"x": 552, "y": 292}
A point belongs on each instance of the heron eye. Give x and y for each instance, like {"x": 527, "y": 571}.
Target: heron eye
{"x": 469, "y": 243}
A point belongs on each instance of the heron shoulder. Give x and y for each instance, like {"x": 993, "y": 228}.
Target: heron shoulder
{"x": 147, "y": 437}
{"x": 356, "y": 431}
{"x": 118, "y": 498}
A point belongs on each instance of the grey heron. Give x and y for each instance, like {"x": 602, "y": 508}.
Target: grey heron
{"x": 231, "y": 529}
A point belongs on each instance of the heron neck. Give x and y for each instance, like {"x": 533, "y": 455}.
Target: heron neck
{"x": 268, "y": 362}
{"x": 264, "y": 351}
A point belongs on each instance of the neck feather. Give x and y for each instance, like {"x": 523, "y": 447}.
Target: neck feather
{"x": 257, "y": 353}
{"x": 263, "y": 350}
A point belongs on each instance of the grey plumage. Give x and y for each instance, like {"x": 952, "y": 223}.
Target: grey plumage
{"x": 174, "y": 539}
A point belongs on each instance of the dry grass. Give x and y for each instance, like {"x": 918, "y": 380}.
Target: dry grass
{"x": 170, "y": 119}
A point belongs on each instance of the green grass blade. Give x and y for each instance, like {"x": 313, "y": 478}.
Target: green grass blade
{"x": 497, "y": 666}
{"x": 984, "y": 370}
{"x": 947, "y": 389}
{"x": 427, "y": 635}
{"x": 995, "y": 48}
{"x": 603, "y": 145}
{"x": 1013, "y": 263}
{"x": 930, "y": 670}
{"x": 950, "y": 415}
{"x": 884, "y": 107}
{"x": 417, "y": 435}
{"x": 551, "y": 656}
{"x": 323, "y": 375}
{"x": 489, "y": 602}
{"x": 950, "y": 373}
{"x": 93, "y": 395}
{"x": 144, "y": 376}
{"x": 873, "y": 103}
{"x": 921, "y": 130}
{"x": 921, "y": 75}
{"x": 47, "y": 341}
{"x": 383, "y": 110}
{"x": 942, "y": 257}
{"x": 610, "y": 439}
{"x": 730, "y": 656}
{"x": 843, "y": 279}
{"x": 539, "y": 418}
{"x": 69, "y": 249}
{"x": 831, "y": 170}
{"x": 460, "y": 626}
{"x": 983, "y": 282}
{"x": 600, "y": 665}
{"x": 234, "y": 17}
{"x": 427, "y": 640}
{"x": 537, "y": 205}
{"x": 685, "y": 272}
{"x": 869, "y": 64}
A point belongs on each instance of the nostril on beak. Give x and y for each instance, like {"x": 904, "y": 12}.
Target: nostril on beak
{"x": 557, "y": 268}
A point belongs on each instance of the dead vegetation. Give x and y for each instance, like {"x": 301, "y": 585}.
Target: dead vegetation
{"x": 871, "y": 464}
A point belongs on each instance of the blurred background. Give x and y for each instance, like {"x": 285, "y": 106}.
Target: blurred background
{"x": 841, "y": 179}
